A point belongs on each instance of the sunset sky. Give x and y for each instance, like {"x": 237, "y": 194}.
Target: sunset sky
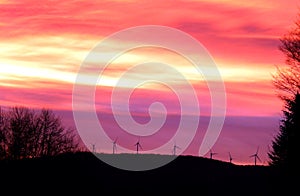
{"x": 43, "y": 45}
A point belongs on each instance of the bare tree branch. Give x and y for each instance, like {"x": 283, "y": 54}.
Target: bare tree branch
{"x": 28, "y": 133}
{"x": 287, "y": 80}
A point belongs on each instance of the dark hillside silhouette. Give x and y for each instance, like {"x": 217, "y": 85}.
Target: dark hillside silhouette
{"x": 83, "y": 173}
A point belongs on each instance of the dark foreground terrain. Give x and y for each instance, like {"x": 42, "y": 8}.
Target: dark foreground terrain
{"x": 83, "y": 173}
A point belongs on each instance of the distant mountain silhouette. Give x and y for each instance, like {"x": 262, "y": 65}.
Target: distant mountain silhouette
{"x": 73, "y": 173}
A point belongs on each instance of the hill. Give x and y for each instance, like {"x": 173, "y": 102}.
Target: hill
{"x": 83, "y": 172}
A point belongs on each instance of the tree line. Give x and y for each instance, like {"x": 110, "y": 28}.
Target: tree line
{"x": 28, "y": 133}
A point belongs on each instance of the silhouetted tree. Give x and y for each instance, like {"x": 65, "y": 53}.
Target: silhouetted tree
{"x": 53, "y": 137}
{"x": 287, "y": 82}
{"x": 27, "y": 133}
{"x": 3, "y": 134}
{"x": 284, "y": 153}
{"x": 287, "y": 79}
{"x": 20, "y": 121}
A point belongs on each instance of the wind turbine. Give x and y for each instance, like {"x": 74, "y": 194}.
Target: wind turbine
{"x": 174, "y": 149}
{"x": 212, "y": 154}
{"x": 138, "y": 145}
{"x": 115, "y": 145}
{"x": 230, "y": 157}
{"x": 256, "y": 156}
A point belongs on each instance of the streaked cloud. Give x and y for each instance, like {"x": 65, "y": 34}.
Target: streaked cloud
{"x": 42, "y": 46}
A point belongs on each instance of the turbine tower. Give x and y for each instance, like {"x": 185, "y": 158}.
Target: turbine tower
{"x": 212, "y": 153}
{"x": 174, "y": 149}
{"x": 115, "y": 146}
{"x": 230, "y": 157}
{"x": 93, "y": 148}
{"x": 256, "y": 156}
{"x": 138, "y": 145}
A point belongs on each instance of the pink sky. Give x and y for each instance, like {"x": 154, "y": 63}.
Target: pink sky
{"x": 43, "y": 45}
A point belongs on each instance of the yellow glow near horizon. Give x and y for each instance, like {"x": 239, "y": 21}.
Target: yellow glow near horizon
{"x": 10, "y": 70}
{"x": 63, "y": 63}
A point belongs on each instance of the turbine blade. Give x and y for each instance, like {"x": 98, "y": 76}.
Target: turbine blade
{"x": 258, "y": 158}
{"x": 257, "y": 149}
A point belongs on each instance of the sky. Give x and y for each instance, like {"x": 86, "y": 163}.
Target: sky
{"x": 43, "y": 45}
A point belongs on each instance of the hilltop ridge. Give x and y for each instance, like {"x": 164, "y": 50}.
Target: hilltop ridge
{"x": 83, "y": 171}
